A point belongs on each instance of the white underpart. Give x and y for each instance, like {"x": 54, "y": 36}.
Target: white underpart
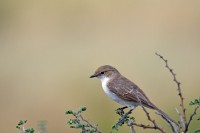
{"x": 104, "y": 81}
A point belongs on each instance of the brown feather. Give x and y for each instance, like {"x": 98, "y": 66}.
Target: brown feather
{"x": 127, "y": 90}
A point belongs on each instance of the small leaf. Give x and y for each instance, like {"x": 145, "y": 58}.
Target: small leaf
{"x": 18, "y": 127}
{"x": 30, "y": 130}
{"x": 72, "y": 126}
{"x": 195, "y": 102}
{"x": 83, "y": 108}
{"x": 114, "y": 127}
{"x": 20, "y": 122}
{"x": 70, "y": 122}
{"x": 197, "y": 131}
{"x": 69, "y": 112}
{"x": 79, "y": 126}
{"x": 120, "y": 112}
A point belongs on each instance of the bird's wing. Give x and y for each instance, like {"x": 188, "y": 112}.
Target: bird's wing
{"x": 127, "y": 90}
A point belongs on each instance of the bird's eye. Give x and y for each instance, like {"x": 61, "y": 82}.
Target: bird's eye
{"x": 102, "y": 72}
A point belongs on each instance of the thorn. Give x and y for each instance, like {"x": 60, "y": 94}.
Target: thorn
{"x": 174, "y": 74}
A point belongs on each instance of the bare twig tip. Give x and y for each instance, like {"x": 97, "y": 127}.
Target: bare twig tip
{"x": 178, "y": 88}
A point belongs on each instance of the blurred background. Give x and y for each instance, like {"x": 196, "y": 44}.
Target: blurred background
{"x": 48, "y": 50}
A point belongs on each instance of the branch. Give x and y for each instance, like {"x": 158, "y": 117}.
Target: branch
{"x": 152, "y": 121}
{"x": 144, "y": 126}
{"x": 129, "y": 124}
{"x": 21, "y": 126}
{"x": 181, "y": 119}
{"x": 191, "y": 116}
{"x": 132, "y": 128}
{"x": 178, "y": 87}
{"x": 80, "y": 123}
{"x": 125, "y": 118}
{"x": 97, "y": 130}
{"x": 149, "y": 118}
{"x": 170, "y": 124}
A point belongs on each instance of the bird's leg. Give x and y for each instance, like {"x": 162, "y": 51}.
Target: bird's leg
{"x": 122, "y": 108}
{"x": 120, "y": 111}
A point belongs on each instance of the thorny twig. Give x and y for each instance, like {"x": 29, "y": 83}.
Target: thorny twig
{"x": 144, "y": 126}
{"x": 97, "y": 130}
{"x": 191, "y": 116}
{"x": 179, "y": 88}
{"x": 123, "y": 118}
{"x": 181, "y": 119}
{"x": 170, "y": 124}
{"x": 131, "y": 126}
{"x": 80, "y": 122}
{"x": 149, "y": 118}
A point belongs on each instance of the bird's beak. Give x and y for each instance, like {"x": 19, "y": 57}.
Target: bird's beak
{"x": 94, "y": 75}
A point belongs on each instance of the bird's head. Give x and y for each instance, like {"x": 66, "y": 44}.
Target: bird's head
{"x": 105, "y": 71}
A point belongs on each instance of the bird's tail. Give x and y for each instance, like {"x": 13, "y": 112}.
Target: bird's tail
{"x": 165, "y": 116}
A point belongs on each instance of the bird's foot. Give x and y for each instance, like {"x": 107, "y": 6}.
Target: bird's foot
{"x": 120, "y": 111}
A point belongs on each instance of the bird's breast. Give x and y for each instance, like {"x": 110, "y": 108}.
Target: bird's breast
{"x": 113, "y": 96}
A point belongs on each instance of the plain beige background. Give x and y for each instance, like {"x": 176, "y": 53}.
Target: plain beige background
{"x": 48, "y": 50}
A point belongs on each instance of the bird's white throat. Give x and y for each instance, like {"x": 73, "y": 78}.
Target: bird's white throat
{"x": 104, "y": 81}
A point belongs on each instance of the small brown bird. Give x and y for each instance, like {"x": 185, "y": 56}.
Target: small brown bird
{"x": 124, "y": 91}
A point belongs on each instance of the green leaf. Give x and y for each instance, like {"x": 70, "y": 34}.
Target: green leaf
{"x": 70, "y": 122}
{"x": 115, "y": 127}
{"x": 30, "y": 130}
{"x": 83, "y": 108}
{"x": 195, "y": 102}
{"x": 79, "y": 125}
{"x": 20, "y": 122}
{"x": 119, "y": 112}
{"x": 18, "y": 127}
{"x": 197, "y": 131}
{"x": 69, "y": 112}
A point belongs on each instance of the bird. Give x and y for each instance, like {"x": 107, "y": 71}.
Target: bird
{"x": 124, "y": 91}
